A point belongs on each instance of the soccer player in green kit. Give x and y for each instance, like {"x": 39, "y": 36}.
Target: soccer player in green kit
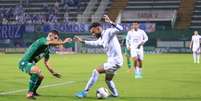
{"x": 38, "y": 50}
{"x": 128, "y": 58}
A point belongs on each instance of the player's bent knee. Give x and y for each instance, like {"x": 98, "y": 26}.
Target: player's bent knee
{"x": 135, "y": 58}
{"x": 35, "y": 69}
{"x": 99, "y": 70}
{"x": 108, "y": 78}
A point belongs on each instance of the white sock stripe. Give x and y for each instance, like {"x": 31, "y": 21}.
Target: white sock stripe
{"x": 92, "y": 80}
{"x": 45, "y": 86}
{"x": 112, "y": 88}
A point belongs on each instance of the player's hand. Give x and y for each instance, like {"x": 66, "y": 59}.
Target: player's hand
{"x": 77, "y": 39}
{"x": 107, "y": 19}
{"x": 57, "y": 75}
{"x": 67, "y": 40}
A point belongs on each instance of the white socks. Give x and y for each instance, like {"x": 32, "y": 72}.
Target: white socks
{"x": 112, "y": 88}
{"x": 196, "y": 57}
{"x": 138, "y": 69}
{"x": 92, "y": 80}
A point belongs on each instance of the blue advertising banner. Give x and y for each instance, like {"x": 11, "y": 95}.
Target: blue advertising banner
{"x": 11, "y": 31}
{"x": 83, "y": 28}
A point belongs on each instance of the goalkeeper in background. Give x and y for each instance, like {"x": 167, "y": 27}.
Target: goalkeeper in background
{"x": 38, "y": 50}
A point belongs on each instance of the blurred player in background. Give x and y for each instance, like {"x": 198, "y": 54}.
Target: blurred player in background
{"x": 195, "y": 46}
{"x": 136, "y": 39}
{"x": 38, "y": 50}
{"x": 108, "y": 40}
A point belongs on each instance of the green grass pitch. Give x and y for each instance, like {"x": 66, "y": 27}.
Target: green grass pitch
{"x": 167, "y": 77}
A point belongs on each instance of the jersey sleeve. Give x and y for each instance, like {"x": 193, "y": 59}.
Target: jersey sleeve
{"x": 116, "y": 28}
{"x": 94, "y": 43}
{"x": 42, "y": 41}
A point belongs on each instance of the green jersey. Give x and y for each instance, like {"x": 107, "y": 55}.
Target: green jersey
{"x": 38, "y": 50}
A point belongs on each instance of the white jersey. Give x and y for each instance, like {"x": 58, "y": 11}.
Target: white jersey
{"x": 135, "y": 38}
{"x": 196, "y": 42}
{"x": 111, "y": 45}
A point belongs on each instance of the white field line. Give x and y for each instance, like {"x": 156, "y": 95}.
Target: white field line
{"x": 45, "y": 86}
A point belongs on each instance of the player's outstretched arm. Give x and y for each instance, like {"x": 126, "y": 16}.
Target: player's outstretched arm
{"x": 116, "y": 26}
{"x": 46, "y": 62}
{"x": 59, "y": 42}
{"x": 92, "y": 43}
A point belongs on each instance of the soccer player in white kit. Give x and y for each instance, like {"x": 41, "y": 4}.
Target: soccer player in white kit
{"x": 136, "y": 39}
{"x": 195, "y": 46}
{"x": 108, "y": 40}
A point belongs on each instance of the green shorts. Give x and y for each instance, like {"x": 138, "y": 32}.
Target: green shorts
{"x": 25, "y": 66}
{"x": 127, "y": 52}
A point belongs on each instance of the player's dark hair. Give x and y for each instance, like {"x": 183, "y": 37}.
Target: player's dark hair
{"x": 54, "y": 32}
{"x": 136, "y": 22}
{"x": 95, "y": 24}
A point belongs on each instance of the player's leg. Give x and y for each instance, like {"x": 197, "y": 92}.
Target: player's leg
{"x": 127, "y": 52}
{"x": 93, "y": 78}
{"x": 110, "y": 70}
{"x": 41, "y": 77}
{"x": 198, "y": 56}
{"x": 25, "y": 66}
{"x": 91, "y": 81}
{"x": 140, "y": 60}
{"x": 194, "y": 49}
{"x": 134, "y": 56}
{"x": 34, "y": 73}
{"x": 136, "y": 59}
{"x": 137, "y": 64}
{"x": 110, "y": 84}
{"x": 194, "y": 57}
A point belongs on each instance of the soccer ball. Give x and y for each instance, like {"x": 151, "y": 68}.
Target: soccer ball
{"x": 102, "y": 93}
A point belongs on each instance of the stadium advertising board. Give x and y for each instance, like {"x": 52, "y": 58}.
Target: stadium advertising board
{"x": 83, "y": 28}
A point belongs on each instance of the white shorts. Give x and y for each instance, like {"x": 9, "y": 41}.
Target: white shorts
{"x": 110, "y": 68}
{"x": 139, "y": 53}
{"x": 196, "y": 49}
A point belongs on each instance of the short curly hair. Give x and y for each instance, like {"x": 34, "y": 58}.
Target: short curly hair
{"x": 54, "y": 32}
{"x": 95, "y": 24}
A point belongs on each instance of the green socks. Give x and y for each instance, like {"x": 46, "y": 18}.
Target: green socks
{"x": 33, "y": 81}
{"x": 128, "y": 63}
{"x": 37, "y": 85}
